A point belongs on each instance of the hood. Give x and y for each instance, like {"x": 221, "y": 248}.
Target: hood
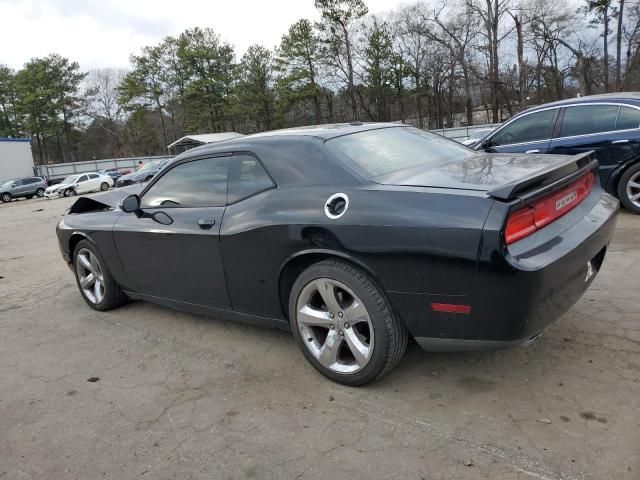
{"x": 103, "y": 201}
{"x": 481, "y": 171}
{"x": 57, "y": 186}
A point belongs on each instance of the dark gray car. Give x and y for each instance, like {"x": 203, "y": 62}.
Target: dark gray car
{"x": 27, "y": 187}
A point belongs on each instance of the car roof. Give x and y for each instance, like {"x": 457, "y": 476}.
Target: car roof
{"x": 624, "y": 97}
{"x": 322, "y": 132}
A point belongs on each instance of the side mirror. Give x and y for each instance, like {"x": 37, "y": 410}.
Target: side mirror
{"x": 131, "y": 204}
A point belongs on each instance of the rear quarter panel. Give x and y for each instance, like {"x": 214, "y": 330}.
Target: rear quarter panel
{"x": 412, "y": 240}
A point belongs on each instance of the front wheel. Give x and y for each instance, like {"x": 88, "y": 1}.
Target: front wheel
{"x": 629, "y": 189}
{"x": 343, "y": 323}
{"x": 104, "y": 186}
{"x": 70, "y": 192}
{"x": 95, "y": 282}
{"x": 5, "y": 197}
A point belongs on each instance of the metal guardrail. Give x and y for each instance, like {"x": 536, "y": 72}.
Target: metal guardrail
{"x": 59, "y": 170}
{"x": 462, "y": 133}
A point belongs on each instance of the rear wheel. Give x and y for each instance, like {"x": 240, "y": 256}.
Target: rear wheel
{"x": 344, "y": 324}
{"x": 104, "y": 186}
{"x": 40, "y": 192}
{"x": 95, "y": 282}
{"x": 5, "y": 197}
{"x": 629, "y": 189}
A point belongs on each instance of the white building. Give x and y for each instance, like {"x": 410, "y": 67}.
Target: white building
{"x": 16, "y": 159}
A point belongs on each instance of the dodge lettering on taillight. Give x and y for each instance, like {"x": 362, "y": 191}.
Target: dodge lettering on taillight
{"x": 566, "y": 200}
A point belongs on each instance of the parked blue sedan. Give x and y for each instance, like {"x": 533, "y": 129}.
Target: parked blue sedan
{"x": 609, "y": 124}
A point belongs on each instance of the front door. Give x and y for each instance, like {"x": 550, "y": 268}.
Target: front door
{"x": 171, "y": 248}
{"x": 529, "y": 133}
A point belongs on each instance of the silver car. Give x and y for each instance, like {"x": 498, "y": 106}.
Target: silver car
{"x": 27, "y": 187}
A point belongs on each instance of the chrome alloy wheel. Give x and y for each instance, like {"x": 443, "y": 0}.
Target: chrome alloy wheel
{"x": 335, "y": 325}
{"x": 633, "y": 189}
{"x": 90, "y": 276}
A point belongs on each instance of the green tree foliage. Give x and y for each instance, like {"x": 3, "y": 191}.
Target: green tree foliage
{"x": 256, "y": 96}
{"x": 338, "y": 24}
{"x": 10, "y": 125}
{"x": 298, "y": 62}
{"x": 49, "y": 102}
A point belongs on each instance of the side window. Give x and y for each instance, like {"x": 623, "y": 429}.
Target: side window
{"x": 18, "y": 182}
{"x": 588, "y": 119}
{"x": 529, "y": 128}
{"x": 30, "y": 181}
{"x": 83, "y": 178}
{"x": 198, "y": 183}
{"x": 247, "y": 177}
{"x": 628, "y": 118}
{"x": 93, "y": 176}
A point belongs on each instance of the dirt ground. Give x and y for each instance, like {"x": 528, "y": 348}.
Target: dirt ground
{"x": 182, "y": 396}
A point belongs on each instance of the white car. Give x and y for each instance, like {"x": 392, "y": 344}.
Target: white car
{"x": 77, "y": 184}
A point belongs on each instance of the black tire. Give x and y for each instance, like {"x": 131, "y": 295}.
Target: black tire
{"x": 5, "y": 197}
{"x": 69, "y": 192}
{"x": 389, "y": 332}
{"x": 104, "y": 186}
{"x": 631, "y": 175}
{"x": 113, "y": 294}
{"x": 28, "y": 197}
{"x": 40, "y": 192}
{"x": 148, "y": 178}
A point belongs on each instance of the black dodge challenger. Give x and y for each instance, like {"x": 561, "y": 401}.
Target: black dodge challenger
{"x": 355, "y": 236}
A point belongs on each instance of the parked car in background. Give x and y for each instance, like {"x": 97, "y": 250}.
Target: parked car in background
{"x": 608, "y": 124}
{"x": 354, "y": 236}
{"x": 476, "y": 136}
{"x": 146, "y": 173}
{"x": 78, "y": 184}
{"x": 26, "y": 187}
{"x": 112, "y": 172}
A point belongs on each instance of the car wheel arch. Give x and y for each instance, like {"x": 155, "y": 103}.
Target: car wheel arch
{"x": 74, "y": 239}
{"x": 294, "y": 265}
{"x": 613, "y": 183}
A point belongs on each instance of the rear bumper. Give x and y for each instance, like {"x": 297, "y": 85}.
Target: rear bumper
{"x": 518, "y": 292}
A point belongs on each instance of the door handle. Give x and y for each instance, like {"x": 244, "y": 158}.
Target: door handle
{"x": 535, "y": 150}
{"x": 619, "y": 142}
{"x": 206, "y": 223}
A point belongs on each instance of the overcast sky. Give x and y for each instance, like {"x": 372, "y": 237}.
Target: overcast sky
{"x": 103, "y": 33}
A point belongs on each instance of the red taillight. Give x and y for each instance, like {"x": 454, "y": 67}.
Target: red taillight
{"x": 524, "y": 222}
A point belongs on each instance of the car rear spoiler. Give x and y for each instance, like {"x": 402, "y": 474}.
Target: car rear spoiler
{"x": 560, "y": 173}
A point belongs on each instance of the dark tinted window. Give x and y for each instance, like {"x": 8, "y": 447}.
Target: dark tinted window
{"x": 93, "y": 176}
{"x": 628, "y": 118}
{"x": 382, "y": 151}
{"x": 530, "y": 128}
{"x": 30, "y": 181}
{"x": 200, "y": 183}
{"x": 588, "y": 119}
{"x": 247, "y": 177}
{"x": 83, "y": 178}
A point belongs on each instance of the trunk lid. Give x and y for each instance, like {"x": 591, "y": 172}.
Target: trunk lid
{"x": 502, "y": 175}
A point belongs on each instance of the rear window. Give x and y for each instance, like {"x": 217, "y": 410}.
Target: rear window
{"x": 628, "y": 118}
{"x": 386, "y": 150}
{"x": 588, "y": 119}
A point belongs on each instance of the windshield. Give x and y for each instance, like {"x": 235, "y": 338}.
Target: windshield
{"x": 150, "y": 166}
{"x": 69, "y": 179}
{"x": 8, "y": 183}
{"x": 386, "y": 150}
